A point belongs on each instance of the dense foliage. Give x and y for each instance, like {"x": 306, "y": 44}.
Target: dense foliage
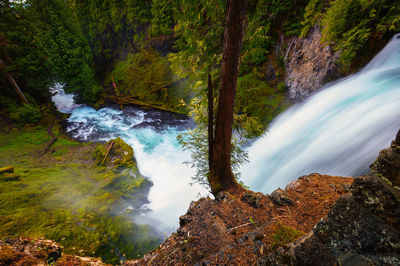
{"x": 147, "y": 77}
{"x": 44, "y": 46}
{"x": 162, "y": 21}
{"x": 111, "y": 27}
{"x": 353, "y": 27}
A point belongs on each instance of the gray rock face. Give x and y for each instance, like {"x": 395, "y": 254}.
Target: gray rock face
{"x": 309, "y": 65}
{"x": 363, "y": 227}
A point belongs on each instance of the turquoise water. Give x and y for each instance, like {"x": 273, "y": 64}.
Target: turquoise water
{"x": 338, "y": 131}
{"x": 152, "y": 135}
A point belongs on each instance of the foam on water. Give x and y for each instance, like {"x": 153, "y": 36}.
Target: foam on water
{"x": 158, "y": 154}
{"x": 63, "y": 101}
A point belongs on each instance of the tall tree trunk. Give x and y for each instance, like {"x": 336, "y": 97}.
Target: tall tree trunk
{"x": 221, "y": 176}
{"x": 210, "y": 98}
{"x": 14, "y": 84}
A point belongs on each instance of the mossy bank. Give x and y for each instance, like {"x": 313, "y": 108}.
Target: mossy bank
{"x": 65, "y": 195}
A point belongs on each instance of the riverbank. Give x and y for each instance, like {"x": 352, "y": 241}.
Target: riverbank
{"x": 64, "y": 195}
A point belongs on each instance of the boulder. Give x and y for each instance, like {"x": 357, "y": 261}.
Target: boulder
{"x": 115, "y": 153}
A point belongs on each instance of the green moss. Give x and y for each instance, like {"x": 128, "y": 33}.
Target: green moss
{"x": 66, "y": 197}
{"x": 120, "y": 154}
{"x": 9, "y": 177}
{"x": 284, "y": 235}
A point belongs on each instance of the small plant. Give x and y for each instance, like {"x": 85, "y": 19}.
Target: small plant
{"x": 284, "y": 235}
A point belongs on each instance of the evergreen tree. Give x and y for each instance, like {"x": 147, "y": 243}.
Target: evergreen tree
{"x": 161, "y": 22}
{"x": 221, "y": 176}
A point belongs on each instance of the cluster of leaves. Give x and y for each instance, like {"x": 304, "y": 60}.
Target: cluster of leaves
{"x": 256, "y": 97}
{"x": 266, "y": 20}
{"x": 350, "y": 25}
{"x": 21, "y": 114}
{"x": 44, "y": 45}
{"x": 147, "y": 76}
{"x": 162, "y": 18}
{"x": 111, "y": 27}
{"x": 244, "y": 128}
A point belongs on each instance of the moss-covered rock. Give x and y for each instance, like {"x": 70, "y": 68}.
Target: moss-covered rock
{"x": 7, "y": 169}
{"x": 284, "y": 235}
{"x": 9, "y": 177}
{"x": 115, "y": 153}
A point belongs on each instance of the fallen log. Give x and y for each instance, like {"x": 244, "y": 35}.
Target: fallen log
{"x": 49, "y": 145}
{"x": 7, "y": 169}
{"x": 108, "y": 150}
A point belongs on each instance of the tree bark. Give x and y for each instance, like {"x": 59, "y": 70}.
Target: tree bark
{"x": 14, "y": 84}
{"x": 221, "y": 176}
{"x": 210, "y": 98}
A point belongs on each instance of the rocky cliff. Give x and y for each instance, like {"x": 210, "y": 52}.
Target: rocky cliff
{"x": 309, "y": 65}
{"x": 238, "y": 230}
{"x": 363, "y": 227}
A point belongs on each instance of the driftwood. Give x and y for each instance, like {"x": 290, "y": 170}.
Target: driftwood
{"x": 108, "y": 151}
{"x": 13, "y": 83}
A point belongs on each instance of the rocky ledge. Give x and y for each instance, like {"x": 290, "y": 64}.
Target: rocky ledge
{"x": 363, "y": 227}
{"x": 316, "y": 220}
{"x": 240, "y": 230}
{"x": 24, "y": 251}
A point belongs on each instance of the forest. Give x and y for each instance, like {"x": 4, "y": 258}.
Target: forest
{"x": 156, "y": 60}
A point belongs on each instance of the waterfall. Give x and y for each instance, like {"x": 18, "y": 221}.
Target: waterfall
{"x": 337, "y": 131}
{"x": 152, "y": 134}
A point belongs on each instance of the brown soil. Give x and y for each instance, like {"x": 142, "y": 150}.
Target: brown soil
{"x": 238, "y": 229}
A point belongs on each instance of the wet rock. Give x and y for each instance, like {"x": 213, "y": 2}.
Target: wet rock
{"x": 115, "y": 153}
{"x": 309, "y": 65}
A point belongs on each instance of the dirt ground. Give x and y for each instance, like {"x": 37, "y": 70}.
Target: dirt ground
{"x": 240, "y": 229}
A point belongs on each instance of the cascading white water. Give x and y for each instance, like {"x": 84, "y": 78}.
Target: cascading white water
{"x": 152, "y": 135}
{"x": 338, "y": 131}
{"x": 63, "y": 101}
